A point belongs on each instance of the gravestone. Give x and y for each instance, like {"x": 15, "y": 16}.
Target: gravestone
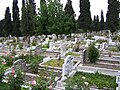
{"x": 65, "y": 38}
{"x": 85, "y": 56}
{"x": 54, "y": 37}
{"x": 47, "y": 40}
{"x": 63, "y": 50}
{"x": 87, "y": 43}
{"x": 51, "y": 46}
{"x": 20, "y": 64}
{"x": 38, "y": 51}
{"x": 76, "y": 40}
{"x": 67, "y": 66}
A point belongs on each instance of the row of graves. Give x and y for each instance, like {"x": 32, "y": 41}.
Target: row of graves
{"x": 15, "y": 47}
{"x": 61, "y": 54}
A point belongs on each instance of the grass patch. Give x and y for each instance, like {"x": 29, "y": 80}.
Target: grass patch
{"x": 72, "y": 54}
{"x": 97, "y": 79}
{"x": 55, "y": 63}
{"x": 114, "y": 49}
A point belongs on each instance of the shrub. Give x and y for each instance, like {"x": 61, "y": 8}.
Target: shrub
{"x": 16, "y": 80}
{"x": 2, "y": 69}
{"x": 93, "y": 54}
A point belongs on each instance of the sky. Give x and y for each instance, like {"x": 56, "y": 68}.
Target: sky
{"x": 96, "y": 6}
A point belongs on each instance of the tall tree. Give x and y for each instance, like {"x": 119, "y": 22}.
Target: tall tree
{"x": 1, "y": 27}
{"x": 94, "y": 23}
{"x": 7, "y": 23}
{"x": 23, "y": 18}
{"x": 70, "y": 12}
{"x": 97, "y": 23}
{"x": 27, "y": 22}
{"x": 42, "y": 18}
{"x": 32, "y": 2}
{"x": 112, "y": 15}
{"x": 102, "y": 26}
{"x": 84, "y": 20}
{"x": 16, "y": 19}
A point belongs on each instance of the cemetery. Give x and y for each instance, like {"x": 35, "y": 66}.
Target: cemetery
{"x": 46, "y": 47}
{"x": 63, "y": 60}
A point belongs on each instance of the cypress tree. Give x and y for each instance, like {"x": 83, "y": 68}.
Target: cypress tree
{"x": 84, "y": 19}
{"x": 27, "y": 22}
{"x": 102, "y": 27}
{"x": 97, "y": 23}
{"x": 112, "y": 15}
{"x": 32, "y": 2}
{"x": 16, "y": 19}
{"x": 23, "y": 18}
{"x": 7, "y": 23}
{"x": 69, "y": 9}
{"x": 1, "y": 27}
{"x": 94, "y": 23}
{"x": 70, "y": 12}
{"x": 42, "y": 19}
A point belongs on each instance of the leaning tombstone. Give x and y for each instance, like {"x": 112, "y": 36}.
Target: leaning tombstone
{"x": 20, "y": 64}
{"x": 67, "y": 67}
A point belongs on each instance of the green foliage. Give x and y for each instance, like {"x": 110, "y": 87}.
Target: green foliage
{"x": 30, "y": 58}
{"x": 28, "y": 19}
{"x": 9, "y": 60}
{"x": 97, "y": 79}
{"x": 102, "y": 23}
{"x": 1, "y": 28}
{"x": 52, "y": 19}
{"x": 55, "y": 63}
{"x": 112, "y": 20}
{"x": 84, "y": 20}
{"x": 15, "y": 82}
{"x": 44, "y": 80}
{"x": 34, "y": 65}
{"x": 114, "y": 49}
{"x": 7, "y": 23}
{"x": 2, "y": 69}
{"x": 96, "y": 24}
{"x": 72, "y": 54}
{"x": 16, "y": 19}
{"x": 70, "y": 13}
{"x": 45, "y": 46}
{"x": 93, "y": 53}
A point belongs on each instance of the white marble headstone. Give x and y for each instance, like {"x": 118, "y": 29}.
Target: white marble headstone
{"x": 67, "y": 66}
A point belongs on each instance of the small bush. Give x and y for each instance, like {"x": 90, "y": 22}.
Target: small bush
{"x": 93, "y": 54}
